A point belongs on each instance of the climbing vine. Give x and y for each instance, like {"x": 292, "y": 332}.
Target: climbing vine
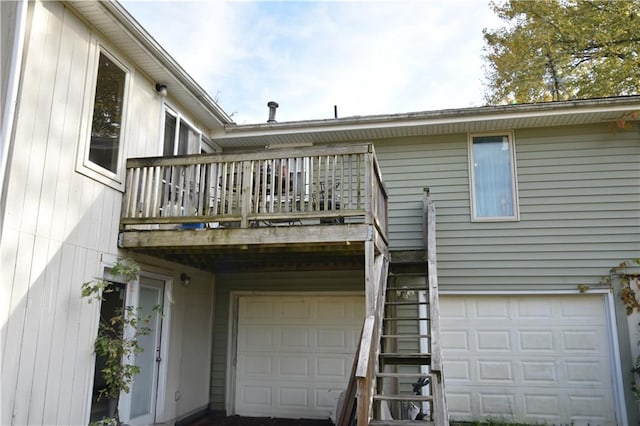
{"x": 112, "y": 342}
{"x": 629, "y": 288}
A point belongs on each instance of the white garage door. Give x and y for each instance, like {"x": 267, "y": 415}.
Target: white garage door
{"x": 294, "y": 353}
{"x": 530, "y": 359}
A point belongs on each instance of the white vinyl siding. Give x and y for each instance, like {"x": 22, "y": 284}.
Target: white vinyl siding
{"x": 59, "y": 225}
{"x": 578, "y": 193}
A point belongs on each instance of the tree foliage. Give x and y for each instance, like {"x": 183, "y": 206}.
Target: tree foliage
{"x": 563, "y": 49}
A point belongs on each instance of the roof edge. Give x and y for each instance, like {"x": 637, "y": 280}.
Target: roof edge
{"x": 619, "y": 103}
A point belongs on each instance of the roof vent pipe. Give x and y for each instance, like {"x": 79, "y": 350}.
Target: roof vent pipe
{"x": 272, "y": 111}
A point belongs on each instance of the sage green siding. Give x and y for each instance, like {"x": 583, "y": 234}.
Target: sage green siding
{"x": 313, "y": 281}
{"x": 579, "y": 194}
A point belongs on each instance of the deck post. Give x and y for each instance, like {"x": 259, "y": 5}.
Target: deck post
{"x": 245, "y": 195}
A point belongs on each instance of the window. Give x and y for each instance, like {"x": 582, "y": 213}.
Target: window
{"x": 179, "y": 137}
{"x": 101, "y": 157}
{"x": 493, "y": 179}
{"x": 107, "y": 115}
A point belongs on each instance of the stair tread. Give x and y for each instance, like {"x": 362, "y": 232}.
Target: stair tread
{"x": 408, "y": 303}
{"x": 406, "y": 397}
{"x": 404, "y": 375}
{"x": 405, "y": 359}
{"x": 405, "y": 318}
{"x": 406, "y": 354}
{"x": 408, "y": 336}
{"x": 408, "y": 273}
{"x": 399, "y": 422}
{"x": 413, "y": 287}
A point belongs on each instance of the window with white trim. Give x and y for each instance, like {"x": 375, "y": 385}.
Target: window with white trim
{"x": 108, "y": 105}
{"x": 180, "y": 137}
{"x": 494, "y": 195}
{"x": 101, "y": 155}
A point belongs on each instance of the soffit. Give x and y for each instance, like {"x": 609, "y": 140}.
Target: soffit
{"x": 124, "y": 33}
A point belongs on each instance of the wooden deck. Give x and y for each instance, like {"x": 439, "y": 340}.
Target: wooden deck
{"x": 321, "y": 200}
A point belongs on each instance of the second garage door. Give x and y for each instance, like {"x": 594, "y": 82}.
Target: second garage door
{"x": 294, "y": 353}
{"x": 530, "y": 359}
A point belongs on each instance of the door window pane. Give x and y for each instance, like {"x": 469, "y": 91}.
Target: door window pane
{"x": 492, "y": 177}
{"x": 143, "y": 390}
{"x": 169, "y": 134}
{"x": 107, "y": 115}
{"x": 186, "y": 141}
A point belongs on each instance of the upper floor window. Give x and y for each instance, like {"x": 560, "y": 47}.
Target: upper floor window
{"x": 493, "y": 179}
{"x": 100, "y": 156}
{"x": 180, "y": 138}
{"x": 108, "y": 107}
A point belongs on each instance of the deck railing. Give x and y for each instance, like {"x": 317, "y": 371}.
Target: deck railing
{"x": 329, "y": 185}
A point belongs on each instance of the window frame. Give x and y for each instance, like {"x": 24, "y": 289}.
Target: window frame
{"x": 83, "y": 164}
{"x": 180, "y": 118}
{"x": 514, "y": 178}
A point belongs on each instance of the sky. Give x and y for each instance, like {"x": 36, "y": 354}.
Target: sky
{"x": 364, "y": 57}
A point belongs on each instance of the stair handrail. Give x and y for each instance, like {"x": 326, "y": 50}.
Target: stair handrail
{"x": 365, "y": 368}
{"x": 436, "y": 368}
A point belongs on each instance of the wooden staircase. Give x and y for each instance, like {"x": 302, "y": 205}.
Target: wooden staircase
{"x": 409, "y": 379}
{"x": 407, "y": 386}
{"x": 398, "y": 372}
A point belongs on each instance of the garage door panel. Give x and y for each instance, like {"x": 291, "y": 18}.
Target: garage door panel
{"x": 257, "y": 310}
{"x": 539, "y": 341}
{"x": 255, "y": 396}
{"x": 539, "y": 372}
{"x": 332, "y": 367}
{"x": 455, "y": 340}
{"x": 532, "y": 309}
{"x": 256, "y": 365}
{"x": 534, "y": 406}
{"x": 325, "y": 398}
{"x": 293, "y": 367}
{"x": 495, "y": 371}
{"x": 525, "y": 371}
{"x": 294, "y": 309}
{"x": 293, "y": 397}
{"x": 582, "y": 340}
{"x": 293, "y": 338}
{"x": 528, "y": 358}
{"x": 256, "y": 337}
{"x": 295, "y": 360}
{"x": 330, "y": 339}
{"x": 458, "y": 371}
{"x": 491, "y": 309}
{"x": 493, "y": 340}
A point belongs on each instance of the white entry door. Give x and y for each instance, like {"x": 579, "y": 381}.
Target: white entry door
{"x": 142, "y": 397}
{"x": 294, "y": 353}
